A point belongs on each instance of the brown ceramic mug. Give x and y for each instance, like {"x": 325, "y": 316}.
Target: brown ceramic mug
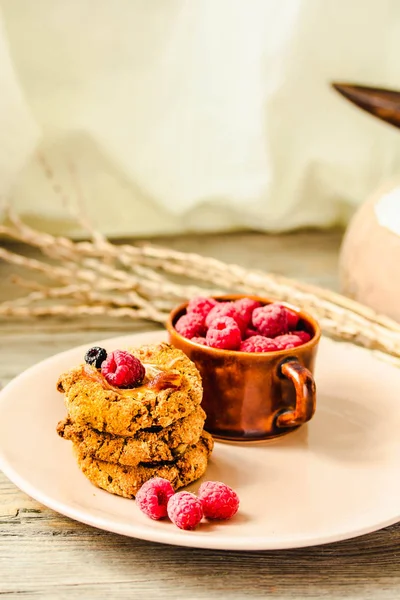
{"x": 254, "y": 396}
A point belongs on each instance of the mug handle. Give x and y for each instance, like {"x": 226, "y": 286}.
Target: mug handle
{"x": 304, "y": 385}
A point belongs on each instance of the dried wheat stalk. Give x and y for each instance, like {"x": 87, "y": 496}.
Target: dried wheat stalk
{"x": 97, "y": 277}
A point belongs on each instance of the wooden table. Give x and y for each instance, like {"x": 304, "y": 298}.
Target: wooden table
{"x": 45, "y": 555}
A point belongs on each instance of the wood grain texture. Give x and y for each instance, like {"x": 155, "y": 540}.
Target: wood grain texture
{"x": 45, "y": 555}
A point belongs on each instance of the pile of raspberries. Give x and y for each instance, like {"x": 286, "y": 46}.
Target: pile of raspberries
{"x": 215, "y": 501}
{"x": 245, "y": 325}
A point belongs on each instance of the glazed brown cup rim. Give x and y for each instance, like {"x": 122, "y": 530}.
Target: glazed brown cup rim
{"x": 265, "y": 355}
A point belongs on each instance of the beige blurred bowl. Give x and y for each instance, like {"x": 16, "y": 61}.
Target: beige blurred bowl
{"x": 369, "y": 264}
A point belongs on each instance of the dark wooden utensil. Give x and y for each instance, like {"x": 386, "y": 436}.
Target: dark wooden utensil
{"x": 381, "y": 103}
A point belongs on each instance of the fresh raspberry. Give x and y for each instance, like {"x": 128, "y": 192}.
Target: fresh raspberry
{"x": 153, "y": 496}
{"x": 218, "y": 499}
{"x": 225, "y": 309}
{"x": 258, "y": 343}
{"x": 303, "y": 335}
{"x": 200, "y": 340}
{"x": 201, "y": 305}
{"x": 271, "y": 320}
{"x": 293, "y": 317}
{"x": 224, "y": 333}
{"x": 245, "y": 307}
{"x": 190, "y": 325}
{"x": 185, "y": 510}
{"x": 249, "y": 333}
{"x": 289, "y": 340}
{"x": 123, "y": 370}
{"x": 95, "y": 356}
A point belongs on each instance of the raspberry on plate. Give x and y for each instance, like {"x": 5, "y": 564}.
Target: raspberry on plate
{"x": 271, "y": 320}
{"x": 185, "y": 510}
{"x": 259, "y": 343}
{"x": 190, "y": 325}
{"x": 245, "y": 307}
{"x": 225, "y": 309}
{"x": 153, "y": 496}
{"x": 201, "y": 305}
{"x": 289, "y": 340}
{"x": 224, "y": 333}
{"x": 219, "y": 500}
{"x": 122, "y": 369}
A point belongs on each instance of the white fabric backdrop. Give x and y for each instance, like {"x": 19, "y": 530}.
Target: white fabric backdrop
{"x": 193, "y": 115}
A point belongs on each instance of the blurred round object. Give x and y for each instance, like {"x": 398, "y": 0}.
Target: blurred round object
{"x": 369, "y": 264}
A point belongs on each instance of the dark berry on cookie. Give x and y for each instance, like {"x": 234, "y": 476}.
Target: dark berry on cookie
{"x": 95, "y": 356}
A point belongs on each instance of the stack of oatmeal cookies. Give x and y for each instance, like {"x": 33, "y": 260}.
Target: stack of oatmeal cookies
{"x": 123, "y": 436}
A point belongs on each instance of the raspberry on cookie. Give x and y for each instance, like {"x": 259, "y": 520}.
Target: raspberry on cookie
{"x": 123, "y": 370}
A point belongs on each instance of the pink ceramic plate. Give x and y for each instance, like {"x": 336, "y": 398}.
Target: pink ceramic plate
{"x": 335, "y": 478}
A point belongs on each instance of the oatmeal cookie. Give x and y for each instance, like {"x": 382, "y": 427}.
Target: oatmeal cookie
{"x": 170, "y": 391}
{"x": 154, "y": 445}
{"x": 126, "y": 481}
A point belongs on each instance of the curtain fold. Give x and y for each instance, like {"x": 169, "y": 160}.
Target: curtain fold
{"x": 176, "y": 115}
